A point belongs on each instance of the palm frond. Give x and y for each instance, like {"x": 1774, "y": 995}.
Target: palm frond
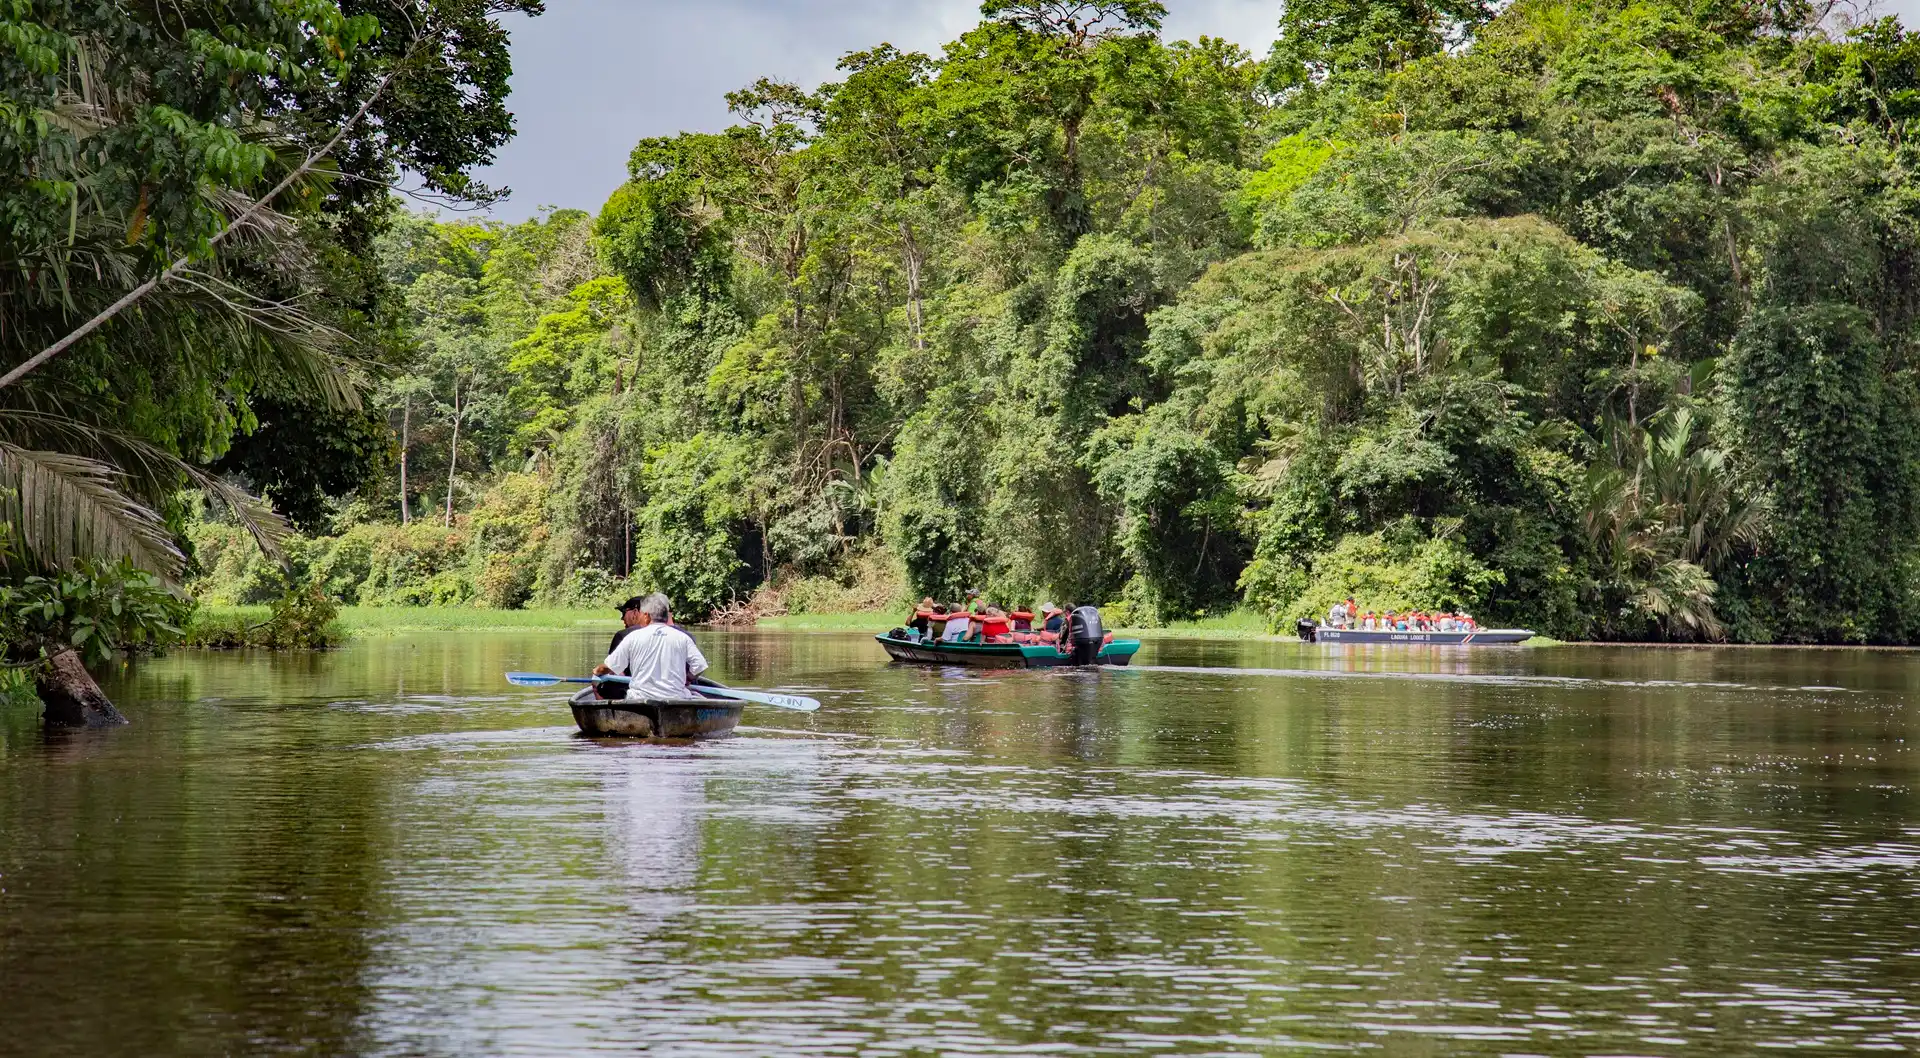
{"x": 1680, "y": 595}
{"x": 254, "y": 514}
{"x": 144, "y": 468}
{"x": 66, "y": 507}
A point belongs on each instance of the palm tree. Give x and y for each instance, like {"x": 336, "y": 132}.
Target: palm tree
{"x": 1664, "y": 515}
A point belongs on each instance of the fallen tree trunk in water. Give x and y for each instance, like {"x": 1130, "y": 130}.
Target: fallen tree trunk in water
{"x": 71, "y": 697}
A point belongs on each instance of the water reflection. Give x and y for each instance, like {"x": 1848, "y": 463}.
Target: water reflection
{"x": 1239, "y": 848}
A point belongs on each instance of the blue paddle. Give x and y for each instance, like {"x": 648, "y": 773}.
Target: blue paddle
{"x": 794, "y": 702}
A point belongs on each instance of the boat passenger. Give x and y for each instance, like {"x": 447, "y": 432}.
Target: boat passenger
{"x": 958, "y": 620}
{"x": 978, "y": 612}
{"x": 630, "y": 618}
{"x": 1022, "y": 620}
{"x": 662, "y": 660}
{"x": 922, "y": 619}
{"x": 995, "y": 625}
{"x": 1056, "y": 619}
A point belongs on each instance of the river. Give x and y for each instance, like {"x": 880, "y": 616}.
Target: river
{"x": 1238, "y": 848}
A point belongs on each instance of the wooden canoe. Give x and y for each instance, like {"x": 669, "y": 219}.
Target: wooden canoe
{"x": 1000, "y": 655}
{"x": 680, "y": 718}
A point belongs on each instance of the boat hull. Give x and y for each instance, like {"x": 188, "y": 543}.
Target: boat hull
{"x": 1485, "y": 638}
{"x": 1000, "y": 655}
{"x": 690, "y": 718}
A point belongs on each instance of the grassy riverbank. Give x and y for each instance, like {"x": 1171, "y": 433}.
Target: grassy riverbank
{"x": 227, "y": 626}
{"x": 236, "y": 626}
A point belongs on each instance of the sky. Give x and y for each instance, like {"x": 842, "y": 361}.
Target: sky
{"x": 592, "y": 77}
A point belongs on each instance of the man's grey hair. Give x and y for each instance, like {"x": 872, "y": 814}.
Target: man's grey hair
{"x": 656, "y": 606}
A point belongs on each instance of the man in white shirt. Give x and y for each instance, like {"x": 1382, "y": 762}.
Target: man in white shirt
{"x": 957, "y": 626}
{"x": 662, "y": 659}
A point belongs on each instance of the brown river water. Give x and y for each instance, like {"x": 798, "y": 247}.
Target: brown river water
{"x": 1238, "y": 848}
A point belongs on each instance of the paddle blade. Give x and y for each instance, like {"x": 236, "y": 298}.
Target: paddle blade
{"x": 533, "y": 679}
{"x": 794, "y": 702}
{"x": 541, "y": 679}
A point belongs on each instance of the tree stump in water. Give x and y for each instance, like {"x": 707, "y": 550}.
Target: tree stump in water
{"x": 71, "y": 696}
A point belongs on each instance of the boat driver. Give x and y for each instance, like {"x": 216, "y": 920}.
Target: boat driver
{"x": 662, "y": 660}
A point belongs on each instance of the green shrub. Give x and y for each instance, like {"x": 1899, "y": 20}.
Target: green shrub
{"x": 510, "y": 537}
{"x": 590, "y": 587}
{"x": 97, "y": 609}
{"x": 872, "y": 581}
{"x": 507, "y": 582}
{"x": 16, "y": 688}
{"x": 303, "y": 619}
{"x": 344, "y": 563}
{"x": 222, "y": 629}
{"x": 231, "y": 569}
{"x": 1378, "y": 572}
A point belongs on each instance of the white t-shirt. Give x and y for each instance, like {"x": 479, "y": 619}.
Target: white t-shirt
{"x": 661, "y": 659}
{"x": 957, "y": 628}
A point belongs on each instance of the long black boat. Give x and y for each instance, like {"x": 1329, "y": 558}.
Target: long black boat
{"x": 1490, "y": 637}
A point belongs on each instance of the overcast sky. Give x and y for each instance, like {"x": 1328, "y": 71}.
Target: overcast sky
{"x": 591, "y": 77}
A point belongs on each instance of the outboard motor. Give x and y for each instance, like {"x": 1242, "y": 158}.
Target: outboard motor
{"x": 1309, "y": 630}
{"x": 1086, "y": 635}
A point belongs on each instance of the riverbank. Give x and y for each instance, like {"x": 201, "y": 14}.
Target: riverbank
{"x": 226, "y": 626}
{"x": 217, "y": 626}
{"x": 1236, "y": 625}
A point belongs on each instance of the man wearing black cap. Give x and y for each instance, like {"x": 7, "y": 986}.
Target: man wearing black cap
{"x": 662, "y": 660}
{"x": 631, "y": 617}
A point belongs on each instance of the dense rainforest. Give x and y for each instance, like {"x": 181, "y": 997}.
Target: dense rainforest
{"x": 190, "y": 194}
{"x": 1588, "y": 316}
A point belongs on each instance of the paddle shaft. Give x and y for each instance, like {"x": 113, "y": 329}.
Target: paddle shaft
{"x": 795, "y": 702}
